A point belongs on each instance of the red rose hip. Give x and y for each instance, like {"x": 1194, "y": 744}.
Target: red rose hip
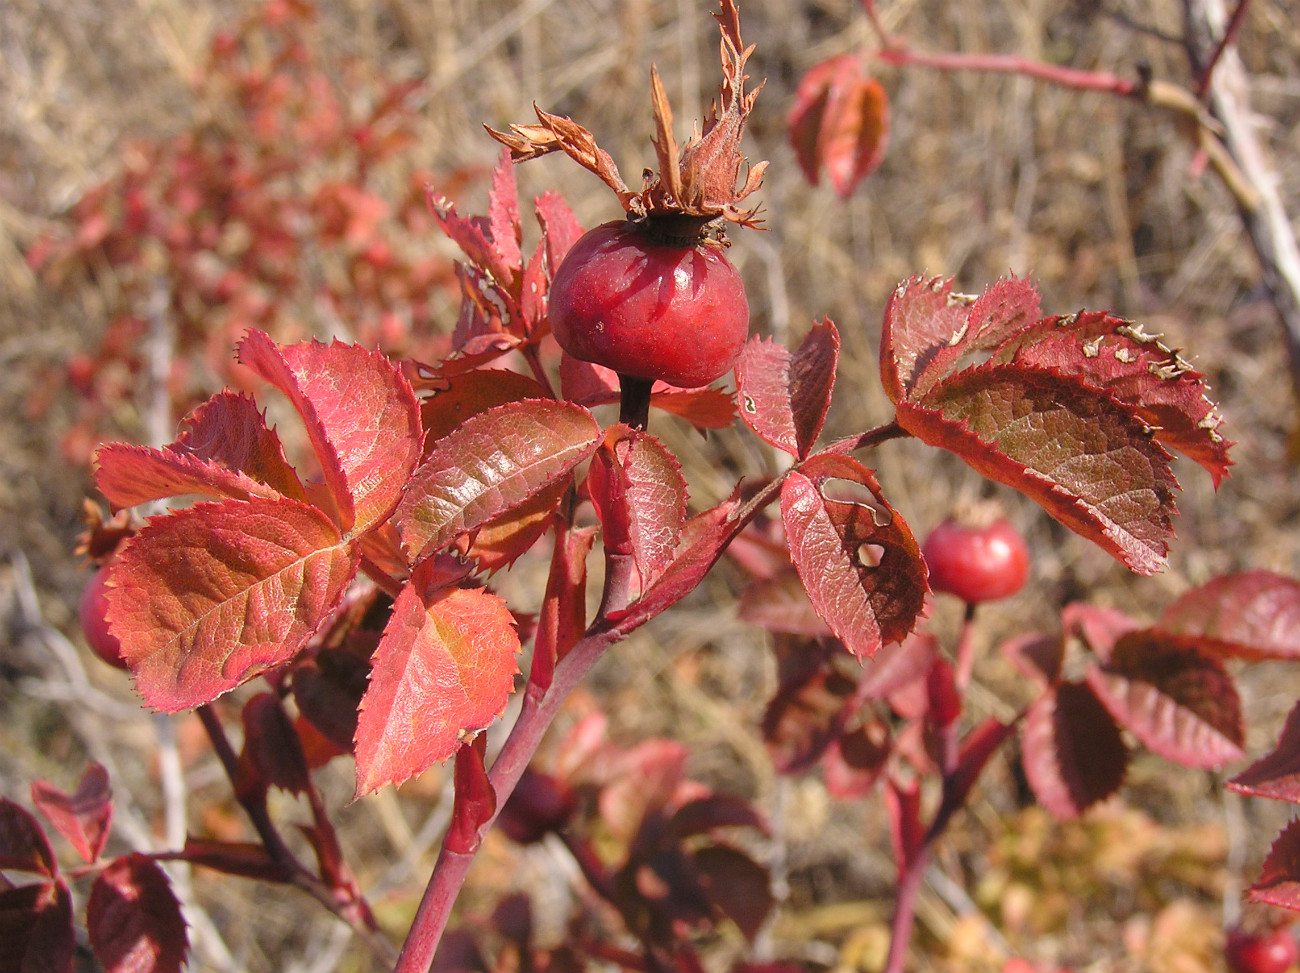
{"x": 649, "y": 308}
{"x": 1272, "y": 951}
{"x": 976, "y": 562}
{"x": 91, "y": 612}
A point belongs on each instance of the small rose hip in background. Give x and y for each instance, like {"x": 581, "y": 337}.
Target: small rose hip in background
{"x": 91, "y": 611}
{"x": 977, "y": 558}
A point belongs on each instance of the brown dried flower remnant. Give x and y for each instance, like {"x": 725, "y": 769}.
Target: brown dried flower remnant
{"x": 699, "y": 180}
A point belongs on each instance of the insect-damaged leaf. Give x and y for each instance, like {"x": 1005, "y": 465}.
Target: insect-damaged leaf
{"x": 361, "y": 417}
{"x": 224, "y": 450}
{"x": 206, "y": 598}
{"x": 442, "y": 672}
{"x": 83, "y": 816}
{"x": 857, "y": 559}
{"x": 929, "y": 329}
{"x": 1073, "y": 411}
{"x": 1074, "y": 755}
{"x": 839, "y": 122}
{"x": 1082, "y": 456}
{"x": 134, "y": 919}
{"x": 1138, "y": 369}
{"x": 784, "y": 397}
{"x": 1254, "y": 614}
{"x": 1178, "y": 701}
{"x": 639, "y": 493}
{"x": 494, "y": 461}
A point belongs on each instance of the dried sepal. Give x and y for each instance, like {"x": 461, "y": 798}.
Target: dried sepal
{"x": 699, "y": 179}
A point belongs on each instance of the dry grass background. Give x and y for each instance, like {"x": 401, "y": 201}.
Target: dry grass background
{"x": 984, "y": 174}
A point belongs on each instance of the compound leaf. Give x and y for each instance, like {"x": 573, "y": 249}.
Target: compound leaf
{"x": 224, "y": 450}
{"x": 494, "y": 461}
{"x": 639, "y": 493}
{"x": 1253, "y": 614}
{"x": 1138, "y": 369}
{"x": 1174, "y": 698}
{"x": 443, "y": 671}
{"x": 929, "y": 329}
{"x": 206, "y": 598}
{"x": 857, "y": 559}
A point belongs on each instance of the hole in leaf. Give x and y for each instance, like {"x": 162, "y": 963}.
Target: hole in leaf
{"x": 870, "y": 555}
{"x": 839, "y": 490}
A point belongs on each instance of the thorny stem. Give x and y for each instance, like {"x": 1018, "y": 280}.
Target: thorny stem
{"x": 260, "y": 817}
{"x": 537, "y": 711}
{"x": 451, "y": 868}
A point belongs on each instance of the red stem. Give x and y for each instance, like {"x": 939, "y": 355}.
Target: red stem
{"x": 909, "y": 887}
{"x": 965, "y": 654}
{"x": 1229, "y": 36}
{"x": 867, "y": 440}
{"x": 1010, "y": 64}
{"x": 299, "y": 875}
{"x": 451, "y": 868}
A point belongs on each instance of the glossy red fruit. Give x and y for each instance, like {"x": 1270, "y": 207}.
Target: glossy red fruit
{"x": 647, "y": 308}
{"x": 92, "y": 612}
{"x": 1272, "y": 951}
{"x": 976, "y": 563}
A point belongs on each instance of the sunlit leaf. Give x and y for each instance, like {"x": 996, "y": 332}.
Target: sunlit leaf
{"x": 929, "y": 329}
{"x": 1083, "y": 457}
{"x": 224, "y": 450}
{"x": 360, "y": 414}
{"x": 442, "y": 672}
{"x": 206, "y": 598}
{"x": 639, "y": 493}
{"x": 471, "y": 393}
{"x": 784, "y": 397}
{"x": 857, "y": 559}
{"x": 491, "y": 463}
{"x": 839, "y": 122}
{"x": 1136, "y": 368}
